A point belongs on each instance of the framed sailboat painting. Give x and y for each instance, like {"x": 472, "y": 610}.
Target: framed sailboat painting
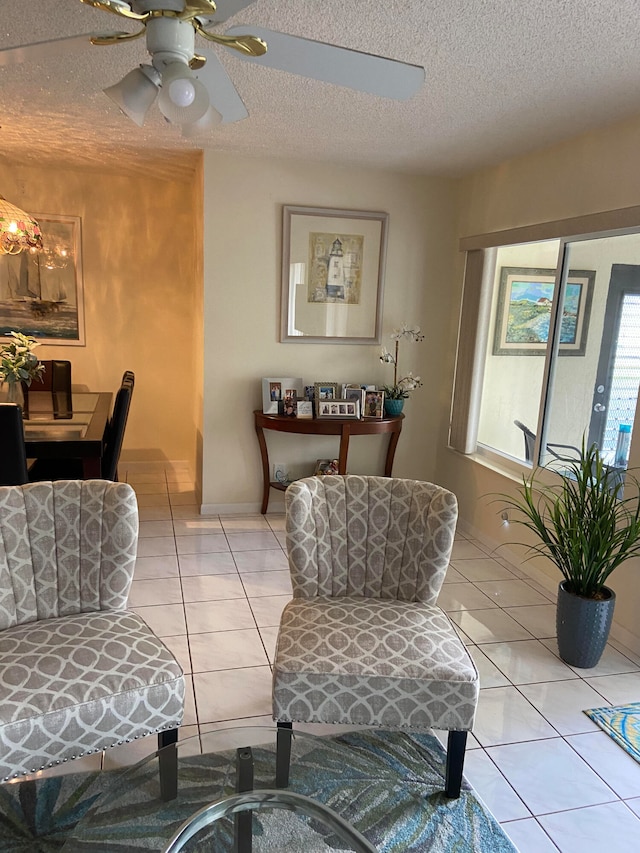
{"x": 41, "y": 292}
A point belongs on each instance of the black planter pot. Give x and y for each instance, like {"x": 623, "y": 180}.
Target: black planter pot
{"x": 582, "y": 625}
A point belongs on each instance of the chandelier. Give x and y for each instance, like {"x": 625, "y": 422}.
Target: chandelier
{"x": 18, "y": 230}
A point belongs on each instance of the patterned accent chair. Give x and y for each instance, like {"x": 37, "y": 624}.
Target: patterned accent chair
{"x": 362, "y": 642}
{"x": 78, "y": 672}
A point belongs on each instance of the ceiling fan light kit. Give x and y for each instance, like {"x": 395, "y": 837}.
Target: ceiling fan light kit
{"x": 193, "y": 89}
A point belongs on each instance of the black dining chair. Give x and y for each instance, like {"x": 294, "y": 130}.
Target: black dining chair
{"x": 13, "y": 457}
{"x": 56, "y": 379}
{"x": 71, "y": 469}
{"x": 529, "y": 444}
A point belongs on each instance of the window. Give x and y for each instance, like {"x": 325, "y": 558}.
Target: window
{"x": 554, "y": 326}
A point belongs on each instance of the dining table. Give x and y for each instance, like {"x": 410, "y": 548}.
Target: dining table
{"x": 77, "y": 432}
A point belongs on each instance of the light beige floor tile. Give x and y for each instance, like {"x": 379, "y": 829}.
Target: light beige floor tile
{"x": 617, "y": 689}
{"x": 549, "y": 775}
{"x": 257, "y": 584}
{"x": 613, "y": 764}
{"x": 154, "y": 513}
{"x": 245, "y": 524}
{"x": 156, "y": 567}
{"x": 131, "y": 753}
{"x": 176, "y": 487}
{"x": 463, "y": 596}
{"x": 202, "y": 543}
{"x": 190, "y": 710}
{"x": 276, "y": 521}
{"x": 228, "y": 615}
{"x": 270, "y": 638}
{"x": 527, "y": 662}
{"x": 191, "y": 510}
{"x": 271, "y": 560}
{"x": 562, "y": 703}
{"x": 179, "y": 647}
{"x": 511, "y": 593}
{"x": 153, "y": 500}
{"x": 268, "y": 609}
{"x": 464, "y": 549}
{"x": 212, "y": 587}
{"x": 187, "y": 498}
{"x": 282, "y": 540}
{"x": 528, "y": 836}
{"x": 490, "y": 675}
{"x": 482, "y": 569}
{"x": 154, "y": 529}
{"x": 233, "y": 694}
{"x": 252, "y": 541}
{"x": 145, "y": 477}
{"x": 491, "y": 786}
{"x": 232, "y": 734}
{"x": 150, "y": 488}
{"x": 227, "y": 650}
{"x": 196, "y": 526}
{"x": 165, "y": 620}
{"x": 220, "y": 563}
{"x": 151, "y": 592}
{"x": 453, "y": 576}
{"x": 157, "y": 546}
{"x": 611, "y": 827}
{"x": 505, "y": 716}
{"x": 612, "y": 662}
{"x": 540, "y": 619}
{"x": 489, "y": 626}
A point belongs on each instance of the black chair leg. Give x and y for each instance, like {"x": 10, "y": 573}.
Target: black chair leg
{"x": 456, "y": 744}
{"x": 243, "y": 821}
{"x": 283, "y": 754}
{"x": 168, "y": 764}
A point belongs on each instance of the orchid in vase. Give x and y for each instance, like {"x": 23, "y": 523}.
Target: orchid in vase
{"x": 402, "y": 387}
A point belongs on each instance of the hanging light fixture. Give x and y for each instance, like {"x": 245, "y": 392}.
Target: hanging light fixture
{"x": 18, "y": 230}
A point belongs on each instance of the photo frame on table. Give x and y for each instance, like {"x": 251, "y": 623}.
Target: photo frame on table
{"x": 354, "y": 392}
{"x": 374, "y": 404}
{"x": 338, "y": 409}
{"x": 275, "y": 389}
{"x": 42, "y": 293}
{"x": 304, "y": 409}
{"x": 333, "y": 264}
{"x": 325, "y": 391}
{"x": 524, "y": 311}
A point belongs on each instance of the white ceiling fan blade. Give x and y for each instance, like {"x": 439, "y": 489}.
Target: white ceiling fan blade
{"x": 40, "y": 50}
{"x": 376, "y": 75}
{"x": 225, "y": 9}
{"x": 223, "y": 95}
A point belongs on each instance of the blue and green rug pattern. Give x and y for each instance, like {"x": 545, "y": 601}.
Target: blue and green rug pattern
{"x": 387, "y": 784}
{"x": 622, "y": 723}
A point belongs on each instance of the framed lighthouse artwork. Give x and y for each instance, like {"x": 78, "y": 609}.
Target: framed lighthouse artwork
{"x": 332, "y": 275}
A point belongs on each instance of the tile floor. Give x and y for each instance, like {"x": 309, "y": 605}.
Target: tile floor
{"x": 213, "y": 589}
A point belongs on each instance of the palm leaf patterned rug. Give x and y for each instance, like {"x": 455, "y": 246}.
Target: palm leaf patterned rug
{"x": 387, "y": 784}
{"x": 622, "y": 723}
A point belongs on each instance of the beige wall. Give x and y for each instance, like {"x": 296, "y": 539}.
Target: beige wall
{"x": 243, "y": 212}
{"x": 592, "y": 173}
{"x": 141, "y": 241}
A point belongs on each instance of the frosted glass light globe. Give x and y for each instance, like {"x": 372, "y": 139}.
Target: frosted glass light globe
{"x": 182, "y": 92}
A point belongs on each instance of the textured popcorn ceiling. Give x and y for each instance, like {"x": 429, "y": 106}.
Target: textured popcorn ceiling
{"x": 503, "y": 77}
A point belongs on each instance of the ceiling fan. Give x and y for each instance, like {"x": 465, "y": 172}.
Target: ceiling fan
{"x": 192, "y": 88}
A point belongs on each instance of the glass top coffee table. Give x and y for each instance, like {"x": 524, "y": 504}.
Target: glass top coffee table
{"x": 227, "y": 799}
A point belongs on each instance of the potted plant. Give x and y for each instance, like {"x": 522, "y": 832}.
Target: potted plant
{"x": 18, "y": 364}
{"x": 587, "y": 528}
{"x": 396, "y": 394}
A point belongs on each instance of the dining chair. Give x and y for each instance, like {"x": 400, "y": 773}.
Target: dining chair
{"x": 79, "y": 672}
{"x": 363, "y": 641}
{"x": 529, "y": 444}
{"x": 13, "y": 457}
{"x": 64, "y": 469}
{"x": 56, "y": 379}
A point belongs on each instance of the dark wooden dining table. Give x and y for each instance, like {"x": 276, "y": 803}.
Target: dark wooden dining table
{"x": 78, "y": 434}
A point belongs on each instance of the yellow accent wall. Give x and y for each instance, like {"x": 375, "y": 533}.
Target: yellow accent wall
{"x": 142, "y": 251}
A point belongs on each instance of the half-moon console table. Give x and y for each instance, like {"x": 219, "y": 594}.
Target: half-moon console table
{"x": 344, "y": 427}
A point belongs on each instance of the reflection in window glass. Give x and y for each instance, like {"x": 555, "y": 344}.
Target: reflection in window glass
{"x": 514, "y": 364}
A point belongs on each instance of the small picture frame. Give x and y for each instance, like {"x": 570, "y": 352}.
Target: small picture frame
{"x": 354, "y": 392}
{"x": 326, "y": 466}
{"x": 338, "y": 409}
{"x": 274, "y": 391}
{"x": 374, "y": 404}
{"x": 304, "y": 409}
{"x": 290, "y": 406}
{"x": 325, "y": 391}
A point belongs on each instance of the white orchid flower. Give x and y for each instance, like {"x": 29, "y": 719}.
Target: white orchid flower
{"x": 386, "y": 357}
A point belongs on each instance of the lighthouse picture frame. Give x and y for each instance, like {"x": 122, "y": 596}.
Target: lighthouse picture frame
{"x": 333, "y": 264}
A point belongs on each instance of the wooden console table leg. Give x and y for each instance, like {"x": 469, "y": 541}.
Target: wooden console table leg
{"x": 264, "y": 454}
{"x": 344, "y": 448}
{"x": 391, "y": 452}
